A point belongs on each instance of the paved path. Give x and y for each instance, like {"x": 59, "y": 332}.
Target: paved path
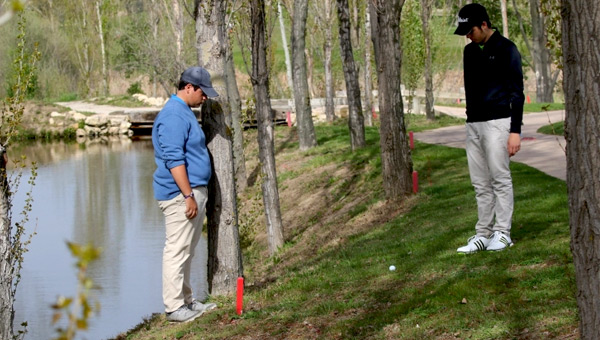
{"x": 82, "y": 106}
{"x": 543, "y": 152}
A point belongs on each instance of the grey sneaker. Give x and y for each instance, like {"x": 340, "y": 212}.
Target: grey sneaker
{"x": 201, "y": 307}
{"x": 499, "y": 241}
{"x": 183, "y": 314}
{"x": 474, "y": 244}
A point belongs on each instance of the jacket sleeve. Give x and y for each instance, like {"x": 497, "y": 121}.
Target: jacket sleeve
{"x": 517, "y": 98}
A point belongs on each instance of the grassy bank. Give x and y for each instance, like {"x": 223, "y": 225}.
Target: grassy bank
{"x": 331, "y": 280}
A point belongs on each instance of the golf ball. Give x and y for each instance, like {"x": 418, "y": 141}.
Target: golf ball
{"x": 392, "y": 268}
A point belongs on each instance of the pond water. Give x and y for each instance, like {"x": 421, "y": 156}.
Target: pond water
{"x": 99, "y": 194}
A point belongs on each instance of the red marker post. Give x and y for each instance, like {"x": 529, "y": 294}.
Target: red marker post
{"x": 412, "y": 140}
{"x": 240, "y": 296}
{"x": 289, "y": 118}
{"x": 415, "y": 182}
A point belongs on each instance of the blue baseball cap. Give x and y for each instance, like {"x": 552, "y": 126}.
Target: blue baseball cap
{"x": 199, "y": 76}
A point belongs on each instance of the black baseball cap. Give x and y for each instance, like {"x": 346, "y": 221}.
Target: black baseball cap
{"x": 199, "y": 76}
{"x": 469, "y": 16}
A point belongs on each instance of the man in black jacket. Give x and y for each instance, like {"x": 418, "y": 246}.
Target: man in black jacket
{"x": 494, "y": 91}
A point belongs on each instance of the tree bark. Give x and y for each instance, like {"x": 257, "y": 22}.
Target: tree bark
{"x": 426, "y": 11}
{"x": 503, "y": 11}
{"x": 6, "y": 267}
{"x": 582, "y": 132}
{"x": 224, "y": 253}
{"x": 327, "y": 49}
{"x": 368, "y": 75}
{"x": 396, "y": 162}
{"x": 266, "y": 146}
{"x": 356, "y": 122}
{"x": 241, "y": 178}
{"x": 306, "y": 129}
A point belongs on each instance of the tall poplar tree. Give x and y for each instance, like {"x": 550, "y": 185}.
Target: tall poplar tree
{"x": 580, "y": 27}
{"x": 266, "y": 145}
{"x": 306, "y": 128}
{"x": 224, "y": 252}
{"x": 396, "y": 161}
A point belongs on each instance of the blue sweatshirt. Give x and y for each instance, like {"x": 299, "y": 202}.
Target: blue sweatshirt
{"x": 178, "y": 139}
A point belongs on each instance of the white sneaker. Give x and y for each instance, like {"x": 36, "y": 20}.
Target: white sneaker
{"x": 474, "y": 244}
{"x": 198, "y": 306}
{"x": 499, "y": 241}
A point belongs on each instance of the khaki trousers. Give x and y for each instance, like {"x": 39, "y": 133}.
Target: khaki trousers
{"x": 182, "y": 236}
{"x": 487, "y": 153}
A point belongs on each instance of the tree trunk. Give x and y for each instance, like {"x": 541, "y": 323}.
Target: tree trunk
{"x": 6, "y": 268}
{"x": 306, "y": 129}
{"x": 368, "y": 75}
{"x": 327, "y": 49}
{"x": 241, "y": 179}
{"x": 396, "y": 162}
{"x": 105, "y": 90}
{"x": 288, "y": 63}
{"x": 582, "y": 126}
{"x": 541, "y": 56}
{"x": 504, "y": 18}
{"x": 266, "y": 146}
{"x": 356, "y": 122}
{"x": 224, "y": 253}
{"x": 426, "y": 11}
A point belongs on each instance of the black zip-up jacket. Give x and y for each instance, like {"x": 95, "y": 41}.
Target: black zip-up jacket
{"x": 494, "y": 81}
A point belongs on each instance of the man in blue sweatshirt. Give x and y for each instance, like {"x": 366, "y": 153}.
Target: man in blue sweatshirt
{"x": 494, "y": 91}
{"x": 180, "y": 180}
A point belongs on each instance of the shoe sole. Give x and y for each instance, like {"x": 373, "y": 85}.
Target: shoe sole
{"x": 501, "y": 249}
{"x": 187, "y": 320}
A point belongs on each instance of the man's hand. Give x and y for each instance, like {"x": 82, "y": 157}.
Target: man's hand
{"x": 514, "y": 144}
{"x": 191, "y": 208}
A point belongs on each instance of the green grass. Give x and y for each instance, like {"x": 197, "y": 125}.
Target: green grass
{"x": 531, "y": 107}
{"x": 123, "y": 100}
{"x": 540, "y": 107}
{"x": 553, "y": 129}
{"x": 344, "y": 290}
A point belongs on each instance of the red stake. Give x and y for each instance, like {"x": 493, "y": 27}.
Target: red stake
{"x": 412, "y": 141}
{"x": 415, "y": 182}
{"x": 289, "y": 118}
{"x": 240, "y": 296}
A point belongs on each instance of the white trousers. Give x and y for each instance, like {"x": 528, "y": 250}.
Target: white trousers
{"x": 487, "y": 153}
{"x": 182, "y": 236}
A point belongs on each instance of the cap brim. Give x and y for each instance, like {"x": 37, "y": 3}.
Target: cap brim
{"x": 209, "y": 91}
{"x": 462, "y": 30}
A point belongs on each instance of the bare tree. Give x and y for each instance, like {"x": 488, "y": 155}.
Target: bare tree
{"x": 545, "y": 78}
{"x": 582, "y": 132}
{"x": 426, "y": 12}
{"x": 306, "y": 129}
{"x": 504, "y": 13}
{"x": 105, "y": 89}
{"x": 286, "y": 51}
{"x": 12, "y": 235}
{"x": 396, "y": 162}
{"x": 266, "y": 146}
{"x": 324, "y": 18}
{"x": 367, "y": 71}
{"x": 224, "y": 253}
{"x": 356, "y": 122}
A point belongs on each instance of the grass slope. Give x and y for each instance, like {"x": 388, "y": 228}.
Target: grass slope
{"x": 331, "y": 280}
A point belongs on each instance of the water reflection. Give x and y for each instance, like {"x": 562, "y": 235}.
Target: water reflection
{"x": 101, "y": 193}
